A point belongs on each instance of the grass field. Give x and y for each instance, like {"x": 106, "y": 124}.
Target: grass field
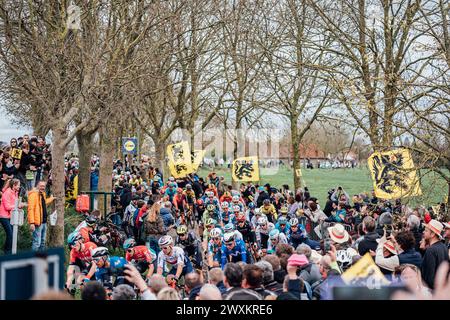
{"x": 354, "y": 181}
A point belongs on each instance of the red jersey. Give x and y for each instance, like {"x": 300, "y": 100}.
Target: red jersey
{"x": 85, "y": 234}
{"x": 141, "y": 253}
{"x": 84, "y": 255}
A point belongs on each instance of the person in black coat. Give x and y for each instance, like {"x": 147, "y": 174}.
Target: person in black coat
{"x": 435, "y": 254}
{"x": 369, "y": 243}
{"x": 125, "y": 196}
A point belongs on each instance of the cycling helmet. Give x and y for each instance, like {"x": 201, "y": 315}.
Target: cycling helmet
{"x": 100, "y": 252}
{"x": 228, "y": 228}
{"x": 293, "y": 222}
{"x": 215, "y": 233}
{"x": 236, "y": 208}
{"x": 209, "y": 194}
{"x": 345, "y": 257}
{"x": 129, "y": 243}
{"x": 91, "y": 221}
{"x": 225, "y": 205}
{"x": 229, "y": 237}
{"x": 251, "y": 205}
{"x": 211, "y": 207}
{"x": 284, "y": 210}
{"x": 266, "y": 202}
{"x": 262, "y": 221}
{"x": 165, "y": 241}
{"x": 235, "y": 198}
{"x": 258, "y": 211}
{"x": 240, "y": 217}
{"x": 73, "y": 238}
{"x": 188, "y": 186}
{"x": 274, "y": 234}
{"x": 181, "y": 230}
{"x": 172, "y": 185}
{"x": 270, "y": 226}
{"x": 200, "y": 202}
{"x": 282, "y": 220}
{"x": 210, "y": 221}
{"x": 171, "y": 179}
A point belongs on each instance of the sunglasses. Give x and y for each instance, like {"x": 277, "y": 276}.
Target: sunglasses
{"x": 217, "y": 239}
{"x": 165, "y": 248}
{"x": 181, "y": 234}
{"x": 273, "y": 240}
{"x": 130, "y": 250}
{"x": 229, "y": 244}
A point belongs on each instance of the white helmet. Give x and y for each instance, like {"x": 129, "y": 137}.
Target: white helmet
{"x": 225, "y": 205}
{"x": 270, "y": 226}
{"x": 228, "y": 237}
{"x": 165, "y": 241}
{"x": 215, "y": 233}
{"x": 262, "y": 221}
{"x": 236, "y": 208}
{"x": 236, "y": 198}
{"x": 99, "y": 252}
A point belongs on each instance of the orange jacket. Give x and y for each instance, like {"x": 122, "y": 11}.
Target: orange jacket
{"x": 35, "y": 212}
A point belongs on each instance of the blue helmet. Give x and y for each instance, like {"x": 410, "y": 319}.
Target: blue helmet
{"x": 274, "y": 234}
{"x": 251, "y": 205}
{"x": 229, "y": 228}
{"x": 129, "y": 243}
{"x": 282, "y": 220}
{"x": 73, "y": 238}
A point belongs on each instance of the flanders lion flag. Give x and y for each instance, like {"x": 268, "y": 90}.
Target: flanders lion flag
{"x": 393, "y": 174}
{"x": 246, "y": 169}
{"x": 180, "y": 162}
{"x": 197, "y": 158}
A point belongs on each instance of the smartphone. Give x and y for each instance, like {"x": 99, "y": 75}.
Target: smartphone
{"x": 327, "y": 245}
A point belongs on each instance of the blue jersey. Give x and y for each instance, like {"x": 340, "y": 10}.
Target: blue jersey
{"x": 170, "y": 193}
{"x": 112, "y": 276}
{"x": 214, "y": 250}
{"x": 284, "y": 230}
{"x": 238, "y": 253}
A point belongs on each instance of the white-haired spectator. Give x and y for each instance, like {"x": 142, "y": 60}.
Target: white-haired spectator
{"x": 209, "y": 292}
{"x": 268, "y": 278}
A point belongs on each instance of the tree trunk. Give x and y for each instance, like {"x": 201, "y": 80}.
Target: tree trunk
{"x": 160, "y": 156}
{"x": 107, "y": 147}
{"x": 295, "y": 150}
{"x": 56, "y": 233}
{"x": 84, "y": 142}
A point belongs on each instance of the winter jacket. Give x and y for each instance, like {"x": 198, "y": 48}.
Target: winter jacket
{"x": 167, "y": 217}
{"x": 274, "y": 287}
{"x": 35, "y": 210}
{"x": 155, "y": 229}
{"x": 310, "y": 273}
{"x": 434, "y": 256}
{"x": 368, "y": 243}
{"x": 239, "y": 294}
{"x": 8, "y": 203}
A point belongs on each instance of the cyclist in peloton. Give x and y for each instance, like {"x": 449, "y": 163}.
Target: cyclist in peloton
{"x": 275, "y": 238}
{"x": 189, "y": 242}
{"x": 172, "y": 260}
{"x": 269, "y": 210}
{"x": 80, "y": 263}
{"x": 297, "y": 235}
{"x": 215, "y": 248}
{"x": 233, "y": 250}
{"x": 262, "y": 233}
{"x": 141, "y": 257}
{"x": 109, "y": 270}
{"x": 283, "y": 225}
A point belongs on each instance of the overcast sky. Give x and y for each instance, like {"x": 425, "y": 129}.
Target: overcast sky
{"x": 8, "y": 130}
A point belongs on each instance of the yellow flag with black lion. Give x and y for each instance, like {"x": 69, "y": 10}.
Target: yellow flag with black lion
{"x": 180, "y": 163}
{"x": 245, "y": 169}
{"x": 394, "y": 175}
